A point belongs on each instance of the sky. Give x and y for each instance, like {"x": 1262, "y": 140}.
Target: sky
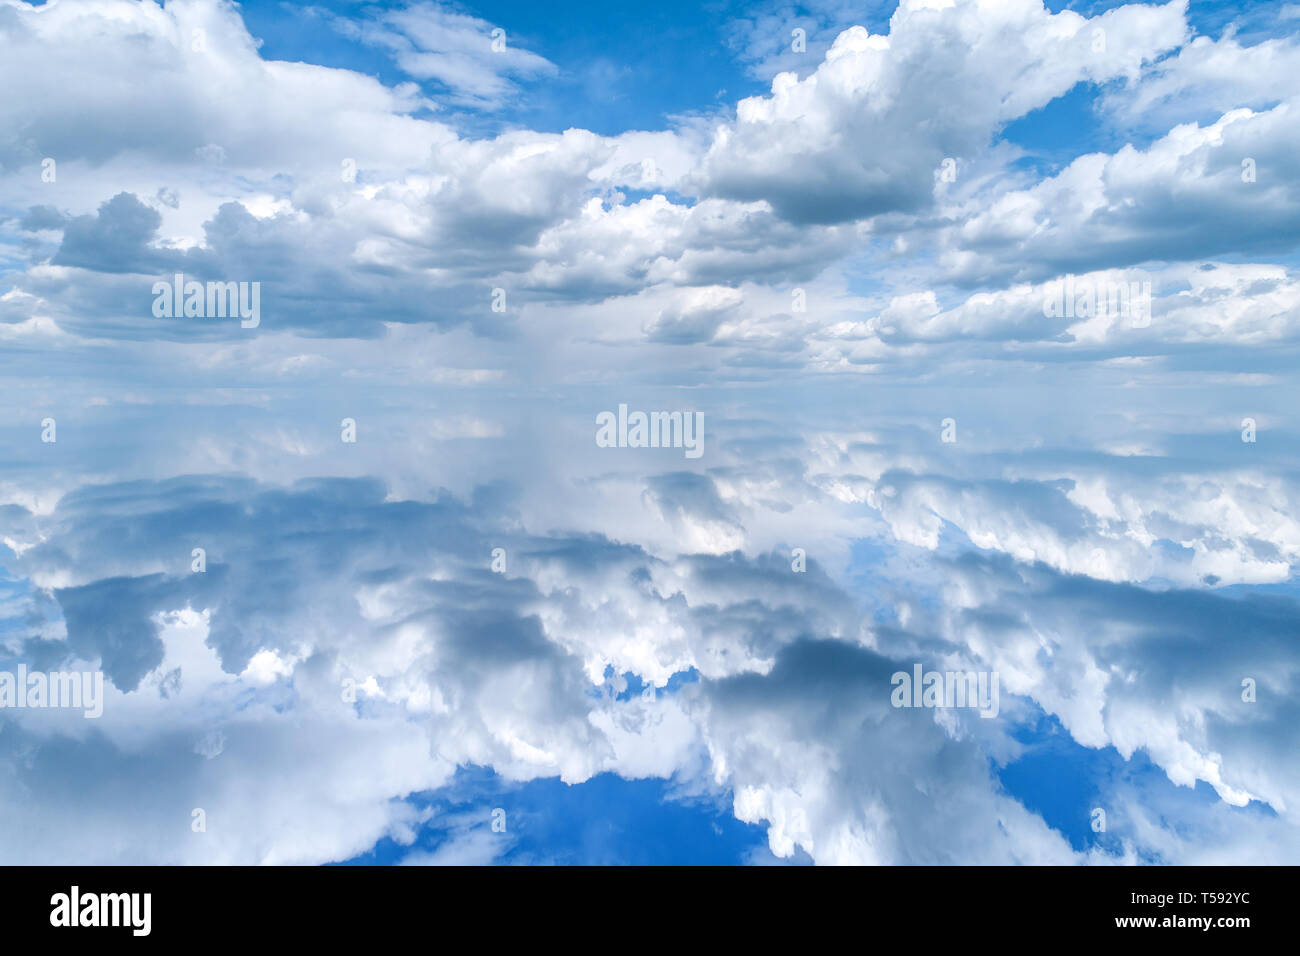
{"x": 979, "y": 322}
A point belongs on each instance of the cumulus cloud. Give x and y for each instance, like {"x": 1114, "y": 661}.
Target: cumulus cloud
{"x": 844, "y": 143}
{"x": 1197, "y": 192}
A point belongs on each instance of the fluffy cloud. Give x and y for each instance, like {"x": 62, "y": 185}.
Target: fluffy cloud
{"x": 845, "y": 142}
{"x": 1199, "y": 191}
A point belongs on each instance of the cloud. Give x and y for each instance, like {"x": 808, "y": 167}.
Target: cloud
{"x": 844, "y": 143}
{"x": 1133, "y": 668}
{"x": 696, "y": 318}
{"x": 1197, "y": 192}
{"x": 208, "y": 86}
{"x": 115, "y": 239}
{"x": 476, "y": 62}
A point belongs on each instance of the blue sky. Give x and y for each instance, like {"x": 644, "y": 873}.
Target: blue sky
{"x": 991, "y": 317}
{"x": 606, "y": 821}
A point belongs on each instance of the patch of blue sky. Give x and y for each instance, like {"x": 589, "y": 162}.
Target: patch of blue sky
{"x": 1065, "y": 782}
{"x": 609, "y": 79}
{"x": 607, "y": 820}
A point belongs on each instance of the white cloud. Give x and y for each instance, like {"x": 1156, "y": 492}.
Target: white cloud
{"x": 476, "y": 61}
